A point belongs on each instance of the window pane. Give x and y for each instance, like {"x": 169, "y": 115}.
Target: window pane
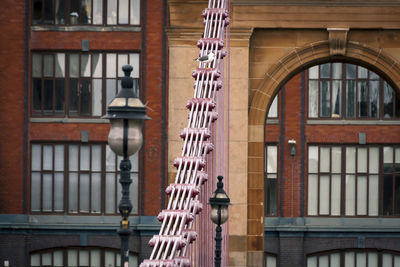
{"x": 323, "y": 261}
{"x": 85, "y": 157}
{"x": 96, "y": 157}
{"x": 95, "y": 258}
{"x": 337, "y": 70}
{"x": 35, "y": 191}
{"x": 135, "y": 12}
{"x": 350, "y": 195}
{"x": 111, "y": 64}
{"x": 123, "y": 11}
{"x": 48, "y": 12}
{"x": 387, "y": 194}
{"x": 84, "y": 192}
{"x": 313, "y": 99}
{"x": 387, "y": 101}
{"x": 60, "y": 11}
{"x": 110, "y": 160}
{"x": 111, "y": 12}
{"x": 83, "y": 258}
{"x": 59, "y": 97}
{"x": 97, "y": 11}
{"x": 372, "y": 259}
{"x": 97, "y": 64}
{"x": 374, "y": 99}
{"x": 349, "y": 259}
{"x": 74, "y": 12}
{"x": 73, "y": 192}
{"x": 47, "y": 157}
{"x": 134, "y": 61}
{"x": 46, "y": 259}
{"x": 350, "y": 71}
{"x": 135, "y": 162}
{"x": 362, "y": 72}
{"x": 362, "y": 195}
{"x": 36, "y": 157}
{"x": 313, "y": 159}
{"x": 37, "y": 95}
{"x": 110, "y": 193}
{"x": 313, "y": 72}
{"x": 373, "y": 160}
{"x": 85, "y": 97}
{"x": 396, "y": 195}
{"x": 35, "y": 259}
{"x": 72, "y": 258}
{"x": 336, "y": 99}
{"x": 388, "y": 155}
{"x": 134, "y": 193}
{"x": 335, "y": 195}
{"x": 362, "y": 99}
{"x": 60, "y": 65}
{"x": 36, "y": 65}
{"x": 122, "y": 60}
{"x": 37, "y": 11}
{"x": 336, "y": 159}
{"x": 110, "y": 90}
{"x": 96, "y": 192}
{"x": 396, "y": 261}
{"x": 324, "y": 195}
{"x": 48, "y": 96}
{"x": 325, "y": 99}
{"x": 97, "y": 97}
{"x": 361, "y": 260}
{"x": 325, "y": 159}
{"x": 272, "y": 159}
{"x": 312, "y": 194}
{"x": 273, "y": 109}
{"x": 362, "y": 160}
{"x": 47, "y": 192}
{"x": 312, "y": 261}
{"x": 373, "y": 200}
{"x": 109, "y": 258}
{"x": 335, "y": 260}
{"x": 48, "y": 66}
{"x": 74, "y": 65}
{"x": 74, "y": 97}
{"x": 325, "y": 70}
{"x": 350, "y": 159}
{"x": 386, "y": 260}
{"x": 85, "y": 65}
{"x": 59, "y": 157}
{"x": 73, "y": 157}
{"x": 351, "y": 99}
{"x": 59, "y": 192}
{"x": 58, "y": 258}
{"x": 86, "y": 11}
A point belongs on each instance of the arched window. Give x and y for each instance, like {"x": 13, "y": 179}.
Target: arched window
{"x": 80, "y": 257}
{"x": 351, "y": 92}
{"x": 354, "y": 258}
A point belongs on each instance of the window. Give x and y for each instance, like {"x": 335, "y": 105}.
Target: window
{"x": 270, "y": 180}
{"x": 338, "y": 90}
{"x": 78, "y": 84}
{"x": 270, "y": 260}
{"x": 351, "y": 181}
{"x": 85, "y": 12}
{"x": 273, "y": 109}
{"x": 354, "y": 258}
{"x": 78, "y": 178}
{"x": 79, "y": 256}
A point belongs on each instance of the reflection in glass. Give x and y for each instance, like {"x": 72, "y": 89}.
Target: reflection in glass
{"x": 74, "y": 65}
{"x": 362, "y": 99}
{"x": 60, "y": 65}
{"x": 325, "y": 99}
{"x": 387, "y": 101}
{"x": 86, "y": 11}
{"x": 135, "y": 12}
{"x": 123, "y": 11}
{"x": 350, "y": 71}
{"x": 112, "y": 12}
{"x": 97, "y": 11}
{"x": 97, "y": 65}
{"x": 60, "y": 11}
{"x": 351, "y": 99}
{"x": 48, "y": 66}
{"x": 85, "y": 65}
{"x": 325, "y": 70}
{"x": 85, "y": 97}
{"x": 336, "y": 99}
{"x": 374, "y": 99}
{"x": 313, "y": 99}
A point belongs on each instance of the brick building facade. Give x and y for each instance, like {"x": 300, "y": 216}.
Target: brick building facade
{"x": 60, "y": 65}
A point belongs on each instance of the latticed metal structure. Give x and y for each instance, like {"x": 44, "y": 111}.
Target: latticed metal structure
{"x": 178, "y": 228}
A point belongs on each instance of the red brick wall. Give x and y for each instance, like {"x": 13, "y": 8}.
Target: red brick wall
{"x": 12, "y": 64}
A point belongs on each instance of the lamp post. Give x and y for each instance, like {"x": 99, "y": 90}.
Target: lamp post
{"x": 219, "y": 202}
{"x": 126, "y": 114}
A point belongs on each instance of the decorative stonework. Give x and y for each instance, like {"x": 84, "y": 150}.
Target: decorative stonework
{"x": 337, "y": 41}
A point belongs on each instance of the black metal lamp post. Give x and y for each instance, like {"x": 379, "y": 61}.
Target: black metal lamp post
{"x": 219, "y": 215}
{"x": 126, "y": 114}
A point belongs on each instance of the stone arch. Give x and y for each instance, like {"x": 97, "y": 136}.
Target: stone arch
{"x": 277, "y": 75}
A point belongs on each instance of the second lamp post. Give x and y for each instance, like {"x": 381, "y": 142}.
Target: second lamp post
{"x": 126, "y": 114}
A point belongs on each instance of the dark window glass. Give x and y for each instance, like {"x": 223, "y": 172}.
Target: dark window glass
{"x": 325, "y": 99}
{"x": 362, "y": 99}
{"x": 397, "y": 192}
{"x": 59, "y": 97}
{"x": 387, "y": 194}
{"x": 48, "y": 12}
{"x": 73, "y": 96}
{"x": 397, "y": 107}
{"x": 85, "y": 97}
{"x": 37, "y": 95}
{"x": 60, "y": 11}
{"x": 271, "y": 177}
{"x": 387, "y": 102}
{"x": 37, "y": 6}
{"x": 74, "y": 12}
{"x": 271, "y": 197}
{"x": 48, "y": 96}
{"x": 374, "y": 98}
{"x": 351, "y": 99}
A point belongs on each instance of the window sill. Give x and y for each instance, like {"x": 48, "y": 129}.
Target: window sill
{"x": 80, "y": 28}
{"x": 354, "y": 122}
{"x": 69, "y": 120}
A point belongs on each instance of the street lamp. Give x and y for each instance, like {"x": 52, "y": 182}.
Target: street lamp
{"x": 126, "y": 114}
{"x": 219, "y": 202}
